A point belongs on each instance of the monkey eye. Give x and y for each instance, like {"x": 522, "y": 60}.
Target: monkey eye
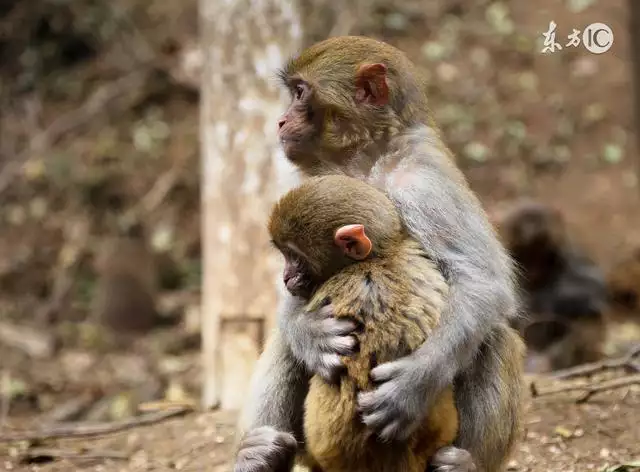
{"x": 299, "y": 91}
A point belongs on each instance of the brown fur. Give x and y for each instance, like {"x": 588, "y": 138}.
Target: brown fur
{"x": 345, "y": 129}
{"x": 396, "y": 296}
{"x": 396, "y": 146}
{"x": 565, "y": 292}
{"x": 398, "y": 309}
{"x": 535, "y": 235}
{"x": 126, "y": 285}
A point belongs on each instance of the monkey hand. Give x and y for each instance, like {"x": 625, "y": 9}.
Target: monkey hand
{"x": 405, "y": 391}
{"x": 318, "y": 339}
{"x": 265, "y": 449}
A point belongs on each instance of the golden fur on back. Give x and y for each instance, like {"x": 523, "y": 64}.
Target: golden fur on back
{"x": 398, "y": 300}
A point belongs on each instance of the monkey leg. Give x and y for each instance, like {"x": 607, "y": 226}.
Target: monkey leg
{"x": 489, "y": 400}
{"x": 452, "y": 459}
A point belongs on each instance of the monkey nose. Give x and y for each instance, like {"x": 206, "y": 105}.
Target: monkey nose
{"x": 281, "y": 122}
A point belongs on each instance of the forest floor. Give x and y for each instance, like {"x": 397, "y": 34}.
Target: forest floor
{"x": 560, "y": 435}
{"x": 559, "y": 127}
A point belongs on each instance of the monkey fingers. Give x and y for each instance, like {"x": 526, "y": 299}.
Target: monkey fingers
{"x": 393, "y": 409}
{"x": 452, "y": 459}
{"x": 387, "y": 371}
{"x": 331, "y": 366}
{"x": 326, "y": 339}
{"x": 265, "y": 449}
{"x": 389, "y": 432}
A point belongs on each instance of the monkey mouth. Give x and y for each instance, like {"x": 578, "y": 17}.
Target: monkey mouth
{"x": 298, "y": 286}
{"x": 294, "y": 282}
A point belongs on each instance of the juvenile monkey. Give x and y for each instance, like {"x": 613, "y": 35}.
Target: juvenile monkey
{"x": 344, "y": 245}
{"x": 565, "y": 291}
{"x": 359, "y": 108}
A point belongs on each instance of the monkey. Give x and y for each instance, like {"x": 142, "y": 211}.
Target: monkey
{"x": 358, "y": 107}
{"x": 125, "y": 297}
{"x": 564, "y": 290}
{"x": 554, "y": 344}
{"x": 343, "y": 243}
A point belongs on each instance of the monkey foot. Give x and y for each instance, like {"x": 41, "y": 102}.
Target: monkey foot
{"x": 452, "y": 459}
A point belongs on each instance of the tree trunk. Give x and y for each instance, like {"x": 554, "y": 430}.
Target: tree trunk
{"x": 243, "y": 173}
{"x": 634, "y": 48}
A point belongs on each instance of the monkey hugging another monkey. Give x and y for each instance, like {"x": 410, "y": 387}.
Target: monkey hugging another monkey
{"x": 359, "y": 108}
{"x": 344, "y": 244}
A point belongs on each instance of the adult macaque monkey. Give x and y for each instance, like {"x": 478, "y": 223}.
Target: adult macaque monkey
{"x": 359, "y": 108}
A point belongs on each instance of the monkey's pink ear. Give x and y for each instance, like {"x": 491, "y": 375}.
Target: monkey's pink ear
{"x": 353, "y": 241}
{"x": 371, "y": 84}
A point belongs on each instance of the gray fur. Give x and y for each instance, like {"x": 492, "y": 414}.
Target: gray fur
{"x": 467, "y": 349}
{"x": 279, "y": 384}
{"x": 265, "y": 448}
{"x": 452, "y": 459}
{"x": 452, "y": 227}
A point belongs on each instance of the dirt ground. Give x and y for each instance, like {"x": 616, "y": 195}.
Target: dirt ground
{"x": 558, "y": 128}
{"x": 560, "y": 435}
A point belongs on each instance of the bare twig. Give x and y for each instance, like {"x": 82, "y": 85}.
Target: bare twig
{"x": 39, "y": 454}
{"x": 627, "y": 361}
{"x": 161, "y": 188}
{"x": 137, "y": 41}
{"x": 35, "y": 343}
{"x": 96, "y": 104}
{"x": 590, "y": 389}
{"x": 94, "y": 429}
{"x": 70, "y": 409}
{"x": 77, "y": 232}
{"x": 164, "y": 405}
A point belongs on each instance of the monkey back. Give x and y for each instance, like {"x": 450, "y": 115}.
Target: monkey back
{"x": 397, "y": 301}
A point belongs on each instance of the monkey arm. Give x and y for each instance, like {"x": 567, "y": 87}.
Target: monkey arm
{"x": 279, "y": 384}
{"x": 448, "y": 220}
{"x": 270, "y": 429}
{"x": 409, "y": 385}
{"x": 442, "y": 213}
{"x": 277, "y": 392}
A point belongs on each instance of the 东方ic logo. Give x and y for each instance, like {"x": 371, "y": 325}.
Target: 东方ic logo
{"x": 596, "y": 38}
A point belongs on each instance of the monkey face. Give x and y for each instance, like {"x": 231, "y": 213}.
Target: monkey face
{"x": 530, "y": 226}
{"x": 339, "y": 102}
{"x": 298, "y": 276}
{"x": 300, "y": 127}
